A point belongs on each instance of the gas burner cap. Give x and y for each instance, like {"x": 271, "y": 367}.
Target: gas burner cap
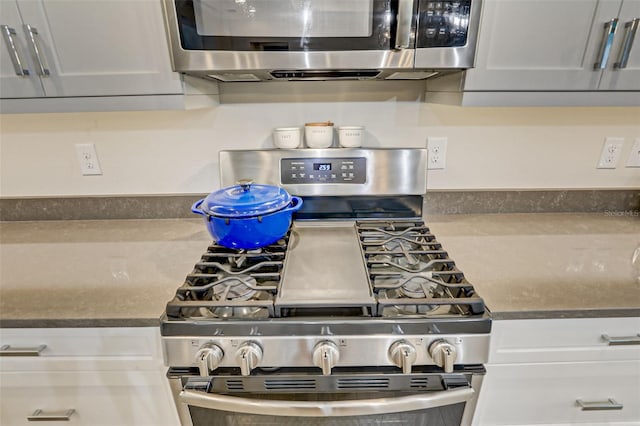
{"x": 398, "y": 244}
{"x": 418, "y": 288}
{"x": 238, "y": 287}
{"x": 411, "y": 309}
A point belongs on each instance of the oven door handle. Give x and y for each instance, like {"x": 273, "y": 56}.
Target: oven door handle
{"x": 359, "y": 407}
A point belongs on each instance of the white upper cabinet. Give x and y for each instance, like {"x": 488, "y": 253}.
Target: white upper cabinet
{"x": 76, "y": 48}
{"x": 554, "y": 45}
{"x": 16, "y": 79}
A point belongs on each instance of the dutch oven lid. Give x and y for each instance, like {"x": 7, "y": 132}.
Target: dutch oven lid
{"x": 246, "y": 200}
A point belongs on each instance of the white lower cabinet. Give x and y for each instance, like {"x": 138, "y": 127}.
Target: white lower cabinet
{"x": 104, "y": 398}
{"x": 562, "y": 372}
{"x": 84, "y": 376}
{"x": 548, "y": 393}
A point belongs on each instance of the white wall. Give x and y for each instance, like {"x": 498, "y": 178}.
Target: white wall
{"x": 175, "y": 152}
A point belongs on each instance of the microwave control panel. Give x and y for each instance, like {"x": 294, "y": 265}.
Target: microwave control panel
{"x": 323, "y": 170}
{"x": 443, "y": 23}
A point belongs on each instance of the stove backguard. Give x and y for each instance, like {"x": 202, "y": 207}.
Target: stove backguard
{"x": 336, "y": 172}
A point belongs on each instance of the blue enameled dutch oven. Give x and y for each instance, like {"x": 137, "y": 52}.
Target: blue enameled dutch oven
{"x": 247, "y": 215}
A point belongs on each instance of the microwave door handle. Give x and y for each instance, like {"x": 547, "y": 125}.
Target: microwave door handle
{"x": 403, "y": 19}
{"x": 360, "y": 407}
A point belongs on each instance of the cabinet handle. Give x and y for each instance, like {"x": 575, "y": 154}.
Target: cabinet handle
{"x": 607, "y": 40}
{"x": 33, "y": 38}
{"x": 621, "y": 340}
{"x": 9, "y": 33}
{"x": 631, "y": 28}
{"x": 7, "y": 350}
{"x": 609, "y": 404}
{"x": 41, "y": 416}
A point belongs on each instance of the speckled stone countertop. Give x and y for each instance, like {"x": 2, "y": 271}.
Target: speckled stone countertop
{"x": 547, "y": 265}
{"x": 94, "y": 273}
{"x": 112, "y": 273}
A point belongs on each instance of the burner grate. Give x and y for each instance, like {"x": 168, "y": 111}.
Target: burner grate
{"x": 229, "y": 283}
{"x": 411, "y": 274}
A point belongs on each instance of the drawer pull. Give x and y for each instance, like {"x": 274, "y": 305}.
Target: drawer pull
{"x": 7, "y": 350}
{"x": 609, "y": 404}
{"x": 40, "y": 416}
{"x": 621, "y": 340}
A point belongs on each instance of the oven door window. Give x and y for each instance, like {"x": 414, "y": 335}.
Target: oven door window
{"x": 276, "y": 25}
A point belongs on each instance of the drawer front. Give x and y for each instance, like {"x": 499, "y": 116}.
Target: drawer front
{"x": 80, "y": 348}
{"x": 115, "y": 398}
{"x": 525, "y": 394}
{"x": 559, "y": 340}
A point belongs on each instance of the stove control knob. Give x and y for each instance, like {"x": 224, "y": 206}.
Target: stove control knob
{"x": 403, "y": 354}
{"x": 443, "y": 354}
{"x": 208, "y": 358}
{"x": 326, "y": 355}
{"x": 249, "y": 355}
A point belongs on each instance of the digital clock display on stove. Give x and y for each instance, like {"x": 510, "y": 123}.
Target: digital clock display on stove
{"x": 322, "y": 166}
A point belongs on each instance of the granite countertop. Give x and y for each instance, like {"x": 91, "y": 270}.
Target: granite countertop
{"x": 122, "y": 272}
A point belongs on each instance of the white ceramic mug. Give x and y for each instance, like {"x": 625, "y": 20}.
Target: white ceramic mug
{"x": 351, "y": 136}
{"x": 287, "y": 137}
{"x": 319, "y": 135}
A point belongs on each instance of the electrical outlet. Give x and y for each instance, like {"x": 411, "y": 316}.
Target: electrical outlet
{"x": 437, "y": 153}
{"x": 88, "y": 158}
{"x": 610, "y": 153}
{"x": 634, "y": 155}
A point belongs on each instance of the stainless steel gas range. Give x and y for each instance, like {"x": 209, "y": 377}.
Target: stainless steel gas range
{"x": 357, "y": 316}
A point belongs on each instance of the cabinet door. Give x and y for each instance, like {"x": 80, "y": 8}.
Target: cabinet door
{"x": 13, "y": 85}
{"x": 540, "y": 45}
{"x": 528, "y": 394}
{"x": 126, "y": 398}
{"x": 627, "y": 78}
{"x": 102, "y": 47}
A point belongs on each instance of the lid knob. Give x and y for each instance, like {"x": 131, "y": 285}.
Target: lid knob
{"x": 245, "y": 184}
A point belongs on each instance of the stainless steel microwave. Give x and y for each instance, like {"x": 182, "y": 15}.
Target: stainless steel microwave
{"x": 254, "y": 40}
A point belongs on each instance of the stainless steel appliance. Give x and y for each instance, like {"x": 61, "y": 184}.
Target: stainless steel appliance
{"x": 250, "y": 40}
{"x": 357, "y": 316}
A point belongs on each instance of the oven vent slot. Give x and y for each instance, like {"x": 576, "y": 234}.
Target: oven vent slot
{"x": 289, "y": 384}
{"x": 419, "y": 383}
{"x": 234, "y": 385}
{"x": 363, "y": 383}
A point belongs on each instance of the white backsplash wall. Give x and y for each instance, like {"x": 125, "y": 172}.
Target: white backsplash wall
{"x": 175, "y": 152}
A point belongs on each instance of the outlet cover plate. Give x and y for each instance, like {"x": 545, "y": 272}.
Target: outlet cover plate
{"x": 88, "y": 159}
{"x": 634, "y": 154}
{"x": 437, "y": 153}
{"x": 610, "y": 154}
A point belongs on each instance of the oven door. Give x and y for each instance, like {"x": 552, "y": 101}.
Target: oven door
{"x": 233, "y": 35}
{"x": 353, "y": 399}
